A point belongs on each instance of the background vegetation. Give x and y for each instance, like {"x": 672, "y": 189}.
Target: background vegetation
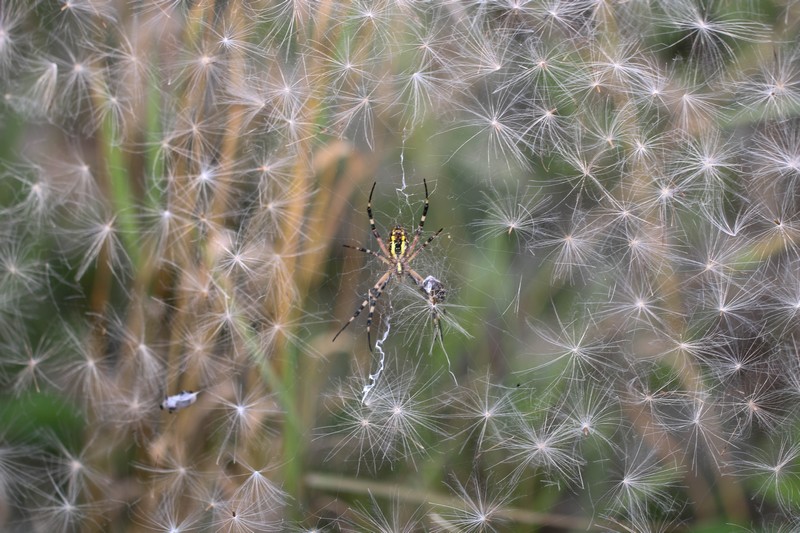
{"x": 618, "y": 187}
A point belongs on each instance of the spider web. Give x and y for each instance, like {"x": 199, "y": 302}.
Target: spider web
{"x": 373, "y": 378}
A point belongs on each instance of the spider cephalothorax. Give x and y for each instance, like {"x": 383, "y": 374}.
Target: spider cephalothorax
{"x": 397, "y": 256}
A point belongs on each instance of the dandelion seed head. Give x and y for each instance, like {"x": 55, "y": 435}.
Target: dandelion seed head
{"x": 660, "y": 192}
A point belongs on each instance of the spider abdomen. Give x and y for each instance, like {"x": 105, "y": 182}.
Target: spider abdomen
{"x": 398, "y": 240}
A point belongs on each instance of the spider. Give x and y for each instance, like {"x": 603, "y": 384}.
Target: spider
{"x": 397, "y": 257}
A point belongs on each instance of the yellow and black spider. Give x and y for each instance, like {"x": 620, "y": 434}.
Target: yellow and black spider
{"x": 397, "y": 256}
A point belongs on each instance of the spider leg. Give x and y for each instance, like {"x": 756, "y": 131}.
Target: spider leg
{"x": 376, "y": 293}
{"x": 422, "y": 219}
{"x": 413, "y": 274}
{"x": 372, "y": 223}
{"x": 377, "y": 288}
{"x": 370, "y": 252}
{"x": 426, "y": 243}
